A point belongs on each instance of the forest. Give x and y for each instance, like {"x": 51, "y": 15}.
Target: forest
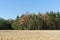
{"x": 32, "y": 21}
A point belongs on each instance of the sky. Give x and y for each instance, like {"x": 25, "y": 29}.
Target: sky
{"x": 9, "y": 9}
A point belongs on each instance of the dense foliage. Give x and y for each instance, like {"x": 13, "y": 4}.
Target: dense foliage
{"x": 47, "y": 21}
{"x": 5, "y": 24}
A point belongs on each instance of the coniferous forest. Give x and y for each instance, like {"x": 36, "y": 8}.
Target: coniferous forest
{"x": 31, "y": 21}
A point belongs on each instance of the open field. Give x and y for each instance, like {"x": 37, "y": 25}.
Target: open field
{"x": 29, "y": 35}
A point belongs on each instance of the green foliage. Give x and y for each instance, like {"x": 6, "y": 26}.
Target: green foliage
{"x": 15, "y": 23}
{"x": 47, "y": 21}
{"x": 4, "y": 25}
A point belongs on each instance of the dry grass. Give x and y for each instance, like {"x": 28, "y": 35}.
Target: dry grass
{"x": 29, "y": 35}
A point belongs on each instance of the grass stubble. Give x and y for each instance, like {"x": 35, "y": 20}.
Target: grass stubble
{"x": 29, "y": 35}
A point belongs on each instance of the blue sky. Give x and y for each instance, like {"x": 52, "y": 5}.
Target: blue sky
{"x": 9, "y": 9}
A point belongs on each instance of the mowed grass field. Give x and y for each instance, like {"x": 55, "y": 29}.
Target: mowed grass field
{"x": 29, "y": 35}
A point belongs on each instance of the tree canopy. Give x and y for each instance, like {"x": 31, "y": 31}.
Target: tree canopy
{"x": 39, "y": 21}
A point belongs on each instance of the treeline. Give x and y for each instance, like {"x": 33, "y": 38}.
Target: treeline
{"x": 6, "y": 24}
{"x": 39, "y": 21}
